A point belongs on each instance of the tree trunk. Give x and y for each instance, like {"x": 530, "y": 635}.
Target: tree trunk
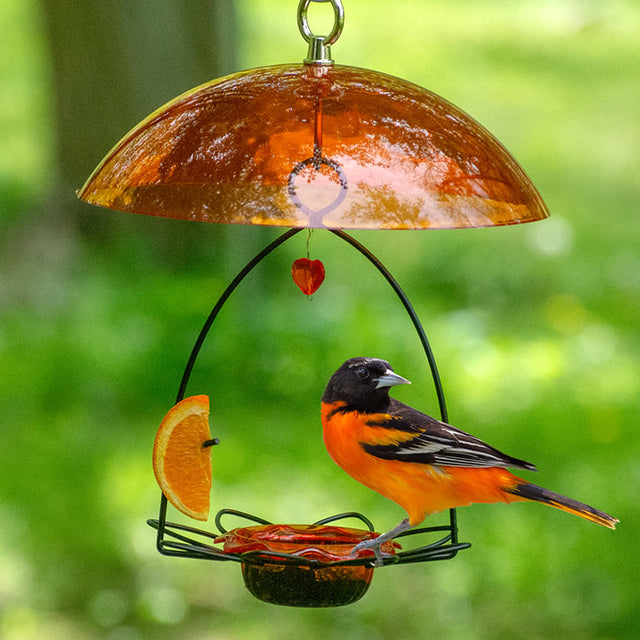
{"x": 114, "y": 63}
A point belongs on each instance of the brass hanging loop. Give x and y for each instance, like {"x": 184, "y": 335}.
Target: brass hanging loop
{"x": 319, "y": 51}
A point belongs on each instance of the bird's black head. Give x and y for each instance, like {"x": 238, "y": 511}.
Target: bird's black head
{"x": 363, "y": 384}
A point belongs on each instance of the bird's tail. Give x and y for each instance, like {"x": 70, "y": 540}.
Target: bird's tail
{"x": 527, "y": 491}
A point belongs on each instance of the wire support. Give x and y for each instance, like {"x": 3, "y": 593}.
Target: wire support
{"x": 179, "y": 541}
{"x": 442, "y": 405}
{"x": 221, "y": 301}
{"x": 183, "y": 542}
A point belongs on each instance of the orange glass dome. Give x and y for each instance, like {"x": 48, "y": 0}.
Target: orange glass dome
{"x": 306, "y": 145}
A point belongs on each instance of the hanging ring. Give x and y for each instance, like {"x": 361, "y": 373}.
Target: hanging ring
{"x": 320, "y": 46}
{"x": 316, "y": 215}
{"x": 303, "y": 24}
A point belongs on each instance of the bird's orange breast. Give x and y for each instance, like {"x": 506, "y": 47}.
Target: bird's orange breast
{"x": 420, "y": 489}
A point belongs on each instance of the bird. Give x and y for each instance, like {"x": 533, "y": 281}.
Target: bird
{"x": 423, "y": 464}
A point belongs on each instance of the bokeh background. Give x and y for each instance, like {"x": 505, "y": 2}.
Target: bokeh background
{"x": 535, "y": 328}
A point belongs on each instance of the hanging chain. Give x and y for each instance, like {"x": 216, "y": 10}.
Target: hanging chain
{"x": 319, "y": 51}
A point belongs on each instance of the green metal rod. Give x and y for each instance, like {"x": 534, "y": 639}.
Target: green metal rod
{"x": 223, "y": 298}
{"x": 240, "y": 277}
{"x": 410, "y": 310}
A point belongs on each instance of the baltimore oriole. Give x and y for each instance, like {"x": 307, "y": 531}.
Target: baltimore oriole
{"x": 421, "y": 463}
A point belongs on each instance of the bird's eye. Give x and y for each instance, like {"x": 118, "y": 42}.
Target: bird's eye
{"x": 362, "y": 373}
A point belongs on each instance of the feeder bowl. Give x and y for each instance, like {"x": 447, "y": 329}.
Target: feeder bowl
{"x": 316, "y": 570}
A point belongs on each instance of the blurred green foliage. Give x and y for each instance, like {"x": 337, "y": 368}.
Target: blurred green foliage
{"x": 535, "y": 330}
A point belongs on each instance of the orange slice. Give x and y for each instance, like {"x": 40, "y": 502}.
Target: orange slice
{"x": 182, "y": 459}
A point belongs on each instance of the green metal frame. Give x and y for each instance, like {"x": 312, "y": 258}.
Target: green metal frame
{"x": 188, "y": 542}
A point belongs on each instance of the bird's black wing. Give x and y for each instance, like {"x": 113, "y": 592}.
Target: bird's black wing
{"x": 414, "y": 436}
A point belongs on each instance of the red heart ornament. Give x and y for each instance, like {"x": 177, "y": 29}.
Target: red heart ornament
{"x": 308, "y": 274}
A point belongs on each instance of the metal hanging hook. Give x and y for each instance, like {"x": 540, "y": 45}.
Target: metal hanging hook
{"x": 319, "y": 51}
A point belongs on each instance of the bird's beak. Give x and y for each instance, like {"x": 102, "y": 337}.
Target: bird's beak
{"x": 390, "y": 379}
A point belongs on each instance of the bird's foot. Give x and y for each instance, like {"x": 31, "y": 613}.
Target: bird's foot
{"x": 375, "y": 544}
{"x": 371, "y": 545}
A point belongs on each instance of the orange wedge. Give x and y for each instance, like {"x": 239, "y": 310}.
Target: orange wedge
{"x": 182, "y": 458}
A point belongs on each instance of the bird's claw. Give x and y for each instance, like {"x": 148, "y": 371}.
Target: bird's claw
{"x": 374, "y": 545}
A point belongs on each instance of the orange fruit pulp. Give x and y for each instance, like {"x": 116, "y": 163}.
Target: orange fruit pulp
{"x": 182, "y": 459}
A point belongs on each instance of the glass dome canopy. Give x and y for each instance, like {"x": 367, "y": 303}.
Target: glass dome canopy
{"x": 307, "y": 145}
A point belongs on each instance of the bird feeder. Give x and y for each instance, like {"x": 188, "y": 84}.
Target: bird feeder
{"x": 306, "y": 146}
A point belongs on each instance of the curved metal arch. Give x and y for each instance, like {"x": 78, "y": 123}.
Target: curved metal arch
{"x": 446, "y": 547}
